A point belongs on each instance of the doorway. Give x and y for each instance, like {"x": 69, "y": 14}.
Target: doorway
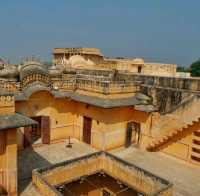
{"x": 39, "y": 133}
{"x": 87, "y": 125}
{"x": 132, "y": 134}
{"x": 139, "y": 69}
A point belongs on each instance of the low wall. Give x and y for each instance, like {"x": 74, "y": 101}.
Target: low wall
{"x": 189, "y": 84}
{"x": 136, "y": 178}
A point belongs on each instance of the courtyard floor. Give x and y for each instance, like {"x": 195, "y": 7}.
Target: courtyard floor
{"x": 185, "y": 177}
{"x": 43, "y": 156}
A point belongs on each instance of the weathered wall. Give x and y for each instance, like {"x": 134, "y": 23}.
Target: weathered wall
{"x": 67, "y": 119}
{"x": 8, "y": 161}
{"x": 159, "y": 69}
{"x": 7, "y": 104}
{"x": 162, "y": 125}
{"x": 190, "y": 84}
{"x": 165, "y": 99}
{"x": 108, "y": 124}
{"x": 61, "y": 113}
{"x": 129, "y": 174}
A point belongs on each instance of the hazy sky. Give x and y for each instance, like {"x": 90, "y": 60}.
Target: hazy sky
{"x": 157, "y": 30}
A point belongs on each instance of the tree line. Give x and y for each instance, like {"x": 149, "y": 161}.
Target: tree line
{"x": 194, "y": 68}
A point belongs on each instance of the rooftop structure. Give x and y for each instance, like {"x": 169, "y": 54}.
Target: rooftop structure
{"x": 106, "y": 103}
{"x": 107, "y": 167}
{"x": 91, "y": 58}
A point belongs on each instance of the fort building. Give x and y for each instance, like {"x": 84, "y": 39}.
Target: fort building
{"x": 105, "y": 103}
{"x": 91, "y": 58}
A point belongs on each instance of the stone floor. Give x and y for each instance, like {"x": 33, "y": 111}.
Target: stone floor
{"x": 185, "y": 177}
{"x": 43, "y": 156}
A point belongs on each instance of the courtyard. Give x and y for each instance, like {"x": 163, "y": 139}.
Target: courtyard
{"x": 44, "y": 156}
{"x": 185, "y": 177}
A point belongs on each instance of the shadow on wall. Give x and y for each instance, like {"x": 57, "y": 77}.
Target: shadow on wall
{"x": 2, "y": 191}
{"x": 28, "y": 160}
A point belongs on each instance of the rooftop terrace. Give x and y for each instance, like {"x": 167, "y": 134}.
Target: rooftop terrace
{"x": 138, "y": 179}
{"x": 183, "y": 176}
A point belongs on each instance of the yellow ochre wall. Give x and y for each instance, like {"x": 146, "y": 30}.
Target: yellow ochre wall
{"x": 182, "y": 148}
{"x": 66, "y": 119}
{"x": 8, "y": 162}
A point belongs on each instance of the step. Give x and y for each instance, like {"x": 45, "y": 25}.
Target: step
{"x": 195, "y": 146}
{"x": 196, "y": 137}
{"x": 195, "y": 159}
{"x": 196, "y": 133}
{"x": 173, "y": 133}
{"x": 195, "y": 154}
{"x": 195, "y": 150}
{"x": 196, "y": 162}
{"x": 166, "y": 137}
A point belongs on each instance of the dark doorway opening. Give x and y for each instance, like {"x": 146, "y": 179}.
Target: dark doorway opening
{"x": 39, "y": 133}
{"x": 36, "y": 129}
{"x": 87, "y": 125}
{"x": 139, "y": 69}
{"x": 132, "y": 134}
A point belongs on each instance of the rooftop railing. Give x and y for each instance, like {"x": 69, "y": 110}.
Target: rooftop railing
{"x": 98, "y": 86}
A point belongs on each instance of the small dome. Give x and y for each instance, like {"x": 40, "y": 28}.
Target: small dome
{"x": 60, "y": 67}
{"x": 54, "y": 71}
{"x": 138, "y": 61}
{"x": 32, "y": 67}
{"x": 77, "y": 60}
{"x": 9, "y": 71}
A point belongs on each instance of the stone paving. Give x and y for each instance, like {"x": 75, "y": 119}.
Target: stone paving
{"x": 185, "y": 177}
{"x": 43, "y": 156}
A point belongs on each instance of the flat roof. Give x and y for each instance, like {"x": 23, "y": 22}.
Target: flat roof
{"x": 15, "y": 121}
{"x": 131, "y": 175}
{"x": 91, "y": 100}
{"x": 94, "y": 51}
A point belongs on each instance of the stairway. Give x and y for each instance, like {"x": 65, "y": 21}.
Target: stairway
{"x": 195, "y": 150}
{"x": 176, "y": 135}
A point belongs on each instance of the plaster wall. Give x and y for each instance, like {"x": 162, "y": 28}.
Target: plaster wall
{"x": 159, "y": 69}
{"x": 7, "y": 105}
{"x": 66, "y": 119}
{"x": 8, "y": 162}
{"x": 61, "y": 113}
{"x": 161, "y": 125}
{"x": 133, "y": 177}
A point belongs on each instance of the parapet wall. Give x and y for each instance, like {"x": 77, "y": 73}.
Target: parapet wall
{"x": 94, "y": 51}
{"x": 185, "y": 84}
{"x": 160, "y": 69}
{"x": 66, "y": 172}
{"x": 166, "y": 92}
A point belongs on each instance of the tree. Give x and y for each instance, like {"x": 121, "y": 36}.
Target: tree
{"x": 195, "y": 68}
{"x": 182, "y": 69}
